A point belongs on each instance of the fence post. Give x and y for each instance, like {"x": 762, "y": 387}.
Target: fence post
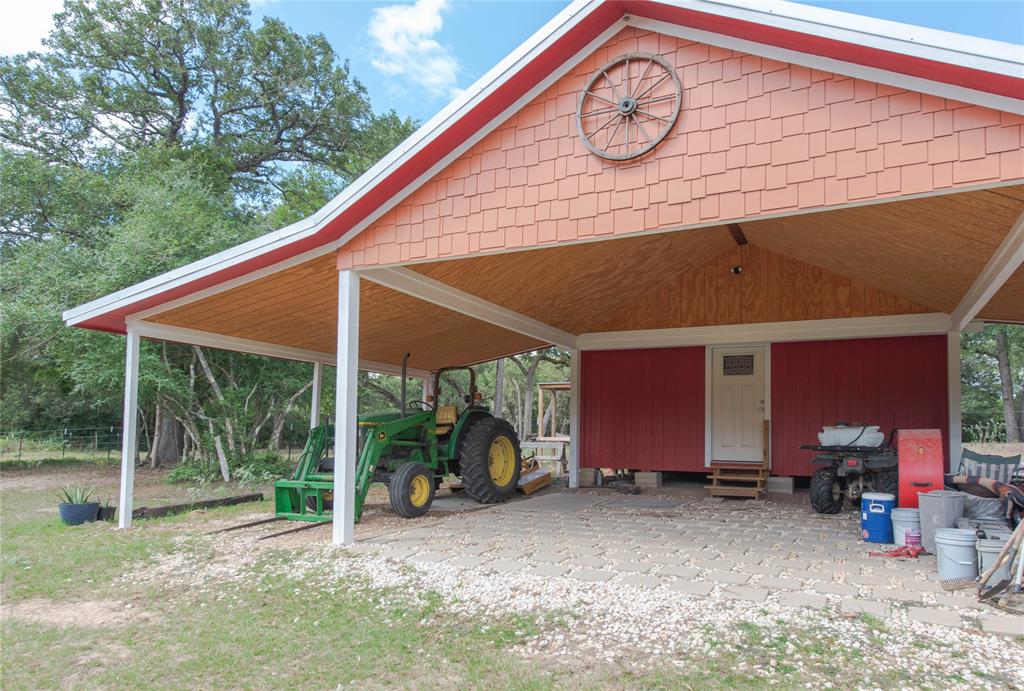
{"x": 21, "y": 440}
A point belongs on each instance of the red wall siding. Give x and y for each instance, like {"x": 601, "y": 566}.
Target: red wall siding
{"x": 891, "y": 382}
{"x": 642, "y": 409}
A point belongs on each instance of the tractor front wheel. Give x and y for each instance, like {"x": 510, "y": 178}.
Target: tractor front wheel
{"x": 490, "y": 461}
{"x": 411, "y": 490}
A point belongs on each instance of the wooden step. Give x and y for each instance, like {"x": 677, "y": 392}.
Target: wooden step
{"x": 758, "y": 474}
{"x": 735, "y": 466}
{"x": 752, "y": 492}
{"x": 752, "y": 480}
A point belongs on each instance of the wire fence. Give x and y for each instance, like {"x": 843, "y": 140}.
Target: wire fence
{"x": 86, "y": 443}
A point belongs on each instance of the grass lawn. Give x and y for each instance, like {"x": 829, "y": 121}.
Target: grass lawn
{"x": 93, "y": 606}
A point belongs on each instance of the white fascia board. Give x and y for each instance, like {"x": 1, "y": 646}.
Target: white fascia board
{"x": 1007, "y": 258}
{"x": 430, "y": 290}
{"x": 461, "y": 105}
{"x": 770, "y": 332}
{"x": 178, "y": 334}
{"x": 848, "y": 69}
{"x": 896, "y": 37}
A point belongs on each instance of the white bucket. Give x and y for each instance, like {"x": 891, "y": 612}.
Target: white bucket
{"x": 988, "y": 550}
{"x": 902, "y": 521}
{"x": 956, "y": 553}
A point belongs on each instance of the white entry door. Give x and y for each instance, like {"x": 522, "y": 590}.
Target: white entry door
{"x": 737, "y": 404}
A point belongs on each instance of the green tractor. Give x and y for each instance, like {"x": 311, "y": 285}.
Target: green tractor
{"x": 410, "y": 450}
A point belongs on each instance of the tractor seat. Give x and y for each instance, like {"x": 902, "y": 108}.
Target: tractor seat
{"x": 447, "y": 416}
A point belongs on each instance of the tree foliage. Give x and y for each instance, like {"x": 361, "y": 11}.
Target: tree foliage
{"x": 153, "y": 133}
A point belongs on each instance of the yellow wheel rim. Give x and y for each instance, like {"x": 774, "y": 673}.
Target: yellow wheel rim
{"x": 502, "y": 461}
{"x": 419, "y": 491}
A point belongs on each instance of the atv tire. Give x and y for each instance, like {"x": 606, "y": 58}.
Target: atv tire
{"x": 826, "y": 491}
{"x": 490, "y": 461}
{"x": 411, "y": 490}
{"x": 887, "y": 481}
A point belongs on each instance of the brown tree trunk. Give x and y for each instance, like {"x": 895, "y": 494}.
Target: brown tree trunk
{"x": 168, "y": 438}
{"x": 1013, "y": 428}
{"x": 499, "y": 388}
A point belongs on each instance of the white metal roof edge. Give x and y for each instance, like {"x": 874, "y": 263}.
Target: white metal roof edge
{"x": 909, "y": 39}
{"x": 882, "y": 34}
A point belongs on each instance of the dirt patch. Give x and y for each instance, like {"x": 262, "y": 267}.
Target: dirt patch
{"x": 90, "y": 613}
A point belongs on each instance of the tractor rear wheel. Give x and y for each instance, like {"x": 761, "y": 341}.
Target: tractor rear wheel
{"x": 411, "y": 490}
{"x": 826, "y": 491}
{"x": 490, "y": 461}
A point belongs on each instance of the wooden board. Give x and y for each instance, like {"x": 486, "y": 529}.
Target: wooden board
{"x": 533, "y": 481}
{"x": 1008, "y": 303}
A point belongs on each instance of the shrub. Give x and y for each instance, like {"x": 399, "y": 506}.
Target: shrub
{"x": 250, "y": 469}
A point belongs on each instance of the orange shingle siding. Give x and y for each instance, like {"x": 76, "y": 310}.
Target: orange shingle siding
{"x": 754, "y": 137}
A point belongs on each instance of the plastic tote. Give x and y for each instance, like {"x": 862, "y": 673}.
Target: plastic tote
{"x": 903, "y": 521}
{"x": 876, "y": 516}
{"x": 956, "y": 553}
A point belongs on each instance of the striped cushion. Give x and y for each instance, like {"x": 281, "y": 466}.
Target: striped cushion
{"x": 998, "y": 468}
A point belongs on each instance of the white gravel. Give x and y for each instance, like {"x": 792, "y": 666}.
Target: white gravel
{"x": 631, "y": 627}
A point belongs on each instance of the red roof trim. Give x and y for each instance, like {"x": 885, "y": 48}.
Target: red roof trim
{"x": 957, "y": 75}
{"x": 534, "y": 72}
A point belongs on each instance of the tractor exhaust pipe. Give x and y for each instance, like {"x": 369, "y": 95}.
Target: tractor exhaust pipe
{"x": 405, "y": 383}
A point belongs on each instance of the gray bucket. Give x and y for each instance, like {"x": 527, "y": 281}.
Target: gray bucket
{"x": 939, "y": 509}
{"x": 902, "y": 521}
{"x": 988, "y": 550}
{"x": 956, "y": 553}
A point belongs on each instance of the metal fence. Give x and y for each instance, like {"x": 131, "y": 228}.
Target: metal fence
{"x": 93, "y": 443}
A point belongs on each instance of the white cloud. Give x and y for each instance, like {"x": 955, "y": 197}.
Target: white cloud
{"x": 404, "y": 35}
{"x": 25, "y": 24}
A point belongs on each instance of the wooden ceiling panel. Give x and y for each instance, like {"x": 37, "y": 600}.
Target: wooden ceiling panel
{"x": 767, "y": 288}
{"x": 1007, "y": 305}
{"x": 297, "y": 307}
{"x": 926, "y": 250}
{"x": 574, "y": 287}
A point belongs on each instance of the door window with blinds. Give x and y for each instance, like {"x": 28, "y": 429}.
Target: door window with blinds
{"x": 738, "y": 365}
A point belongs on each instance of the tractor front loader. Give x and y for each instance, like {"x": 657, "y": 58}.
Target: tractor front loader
{"x": 411, "y": 451}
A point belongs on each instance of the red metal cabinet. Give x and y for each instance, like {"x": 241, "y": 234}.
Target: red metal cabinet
{"x": 921, "y": 463}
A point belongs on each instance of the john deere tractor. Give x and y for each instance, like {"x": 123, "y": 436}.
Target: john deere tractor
{"x": 411, "y": 451}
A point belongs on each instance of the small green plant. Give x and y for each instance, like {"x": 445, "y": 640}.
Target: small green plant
{"x": 75, "y": 494}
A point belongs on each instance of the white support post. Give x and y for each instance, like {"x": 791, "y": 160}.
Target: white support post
{"x": 345, "y": 408}
{"x": 953, "y": 391}
{"x": 314, "y": 402}
{"x": 428, "y": 386}
{"x": 129, "y": 436}
{"x": 574, "y": 419}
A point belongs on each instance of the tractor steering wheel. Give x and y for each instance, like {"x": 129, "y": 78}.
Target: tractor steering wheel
{"x": 422, "y": 404}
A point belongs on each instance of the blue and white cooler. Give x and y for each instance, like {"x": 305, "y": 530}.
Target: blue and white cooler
{"x": 876, "y": 517}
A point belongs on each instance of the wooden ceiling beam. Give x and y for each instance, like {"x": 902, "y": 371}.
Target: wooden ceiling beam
{"x": 430, "y": 290}
{"x": 737, "y": 234}
{"x": 1003, "y": 263}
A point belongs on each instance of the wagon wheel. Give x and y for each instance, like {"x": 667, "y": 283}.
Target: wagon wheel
{"x": 629, "y": 106}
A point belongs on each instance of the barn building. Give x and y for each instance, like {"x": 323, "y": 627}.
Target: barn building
{"x": 744, "y": 220}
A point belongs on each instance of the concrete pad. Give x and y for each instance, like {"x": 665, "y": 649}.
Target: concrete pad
{"x": 456, "y": 503}
{"x": 778, "y": 583}
{"x": 505, "y": 565}
{"x": 746, "y": 593}
{"x": 467, "y": 561}
{"x": 700, "y": 588}
{"x": 562, "y": 502}
{"x": 803, "y": 600}
{"x": 997, "y": 623}
{"x": 645, "y": 503}
{"x": 549, "y": 557}
{"x": 836, "y": 589}
{"x": 547, "y": 570}
{"x": 675, "y": 571}
{"x": 730, "y": 577}
{"x": 587, "y": 561}
{"x": 591, "y": 575}
{"x": 639, "y": 581}
{"x": 633, "y": 567}
{"x": 857, "y": 606}
{"x": 928, "y": 615}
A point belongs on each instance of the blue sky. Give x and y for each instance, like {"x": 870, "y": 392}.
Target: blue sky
{"x": 413, "y": 56}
